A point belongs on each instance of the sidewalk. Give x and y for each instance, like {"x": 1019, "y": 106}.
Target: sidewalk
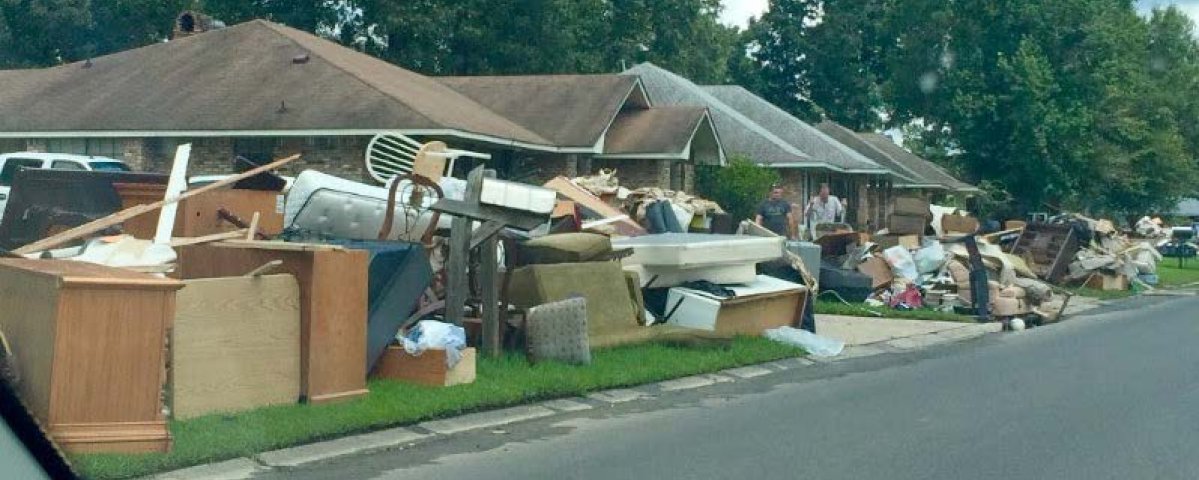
{"x": 863, "y": 336}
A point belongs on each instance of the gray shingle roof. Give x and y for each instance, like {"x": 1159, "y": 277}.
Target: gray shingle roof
{"x": 739, "y": 133}
{"x": 924, "y": 168}
{"x": 795, "y": 131}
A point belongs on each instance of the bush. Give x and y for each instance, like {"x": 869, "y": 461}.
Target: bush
{"x": 739, "y": 187}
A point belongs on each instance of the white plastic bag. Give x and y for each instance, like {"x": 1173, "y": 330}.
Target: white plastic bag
{"x": 901, "y": 262}
{"x": 437, "y": 335}
{"x": 812, "y": 343}
{"x": 931, "y": 257}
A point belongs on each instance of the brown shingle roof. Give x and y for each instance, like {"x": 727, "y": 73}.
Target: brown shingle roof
{"x": 658, "y": 130}
{"x": 242, "y": 78}
{"x": 569, "y": 110}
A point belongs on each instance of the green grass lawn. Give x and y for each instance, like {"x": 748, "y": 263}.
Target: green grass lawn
{"x": 1169, "y": 275}
{"x": 505, "y": 381}
{"x": 833, "y": 307}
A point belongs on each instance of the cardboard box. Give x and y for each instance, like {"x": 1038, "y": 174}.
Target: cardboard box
{"x": 910, "y": 242}
{"x": 428, "y": 368}
{"x": 765, "y": 304}
{"x": 907, "y": 224}
{"x": 879, "y": 272}
{"x": 1108, "y": 282}
{"x": 913, "y": 206}
{"x": 958, "y": 224}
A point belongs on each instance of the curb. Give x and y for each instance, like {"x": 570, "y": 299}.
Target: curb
{"x": 404, "y": 437}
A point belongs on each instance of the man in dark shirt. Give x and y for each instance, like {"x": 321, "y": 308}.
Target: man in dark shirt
{"x": 775, "y": 214}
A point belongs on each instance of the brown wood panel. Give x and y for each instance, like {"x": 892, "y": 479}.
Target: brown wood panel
{"x": 197, "y": 215}
{"x": 94, "y": 350}
{"x": 28, "y": 304}
{"x": 235, "y": 344}
{"x": 333, "y": 307}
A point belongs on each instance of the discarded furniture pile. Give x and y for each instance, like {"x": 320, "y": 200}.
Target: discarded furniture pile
{"x": 136, "y": 299}
{"x": 937, "y": 257}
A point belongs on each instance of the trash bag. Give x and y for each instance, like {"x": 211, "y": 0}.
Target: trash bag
{"x": 436, "y": 335}
{"x": 810, "y": 342}
{"x": 901, "y": 262}
{"x": 931, "y": 257}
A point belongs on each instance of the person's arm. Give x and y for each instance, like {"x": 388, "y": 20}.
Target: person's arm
{"x": 758, "y": 219}
{"x": 792, "y": 224}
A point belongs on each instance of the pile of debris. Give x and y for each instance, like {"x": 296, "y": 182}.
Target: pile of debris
{"x": 657, "y": 210}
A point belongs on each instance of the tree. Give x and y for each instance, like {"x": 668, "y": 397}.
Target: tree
{"x": 738, "y": 187}
{"x": 778, "y": 43}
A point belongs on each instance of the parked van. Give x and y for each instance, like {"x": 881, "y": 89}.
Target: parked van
{"x": 10, "y": 162}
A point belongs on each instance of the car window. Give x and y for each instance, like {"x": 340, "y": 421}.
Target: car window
{"x": 11, "y": 166}
{"x": 109, "y": 167}
{"x": 67, "y": 165}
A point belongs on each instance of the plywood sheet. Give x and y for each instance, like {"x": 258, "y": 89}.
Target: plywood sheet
{"x": 236, "y": 344}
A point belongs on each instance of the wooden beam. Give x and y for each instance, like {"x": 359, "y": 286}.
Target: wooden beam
{"x": 457, "y": 286}
{"x": 216, "y": 237}
{"x": 128, "y": 213}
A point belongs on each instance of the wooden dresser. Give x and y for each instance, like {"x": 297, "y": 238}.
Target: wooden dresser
{"x": 90, "y": 344}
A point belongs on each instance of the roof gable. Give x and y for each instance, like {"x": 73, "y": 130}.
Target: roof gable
{"x": 658, "y": 130}
{"x": 791, "y": 129}
{"x": 569, "y": 110}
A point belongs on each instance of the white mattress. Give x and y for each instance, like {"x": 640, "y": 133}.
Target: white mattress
{"x": 693, "y": 250}
{"x": 331, "y": 206}
{"x": 327, "y": 205}
{"x": 668, "y": 276}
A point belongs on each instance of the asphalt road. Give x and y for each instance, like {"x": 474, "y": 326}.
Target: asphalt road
{"x": 1114, "y": 395}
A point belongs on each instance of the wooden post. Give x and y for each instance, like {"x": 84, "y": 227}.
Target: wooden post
{"x": 457, "y": 286}
{"x": 491, "y": 296}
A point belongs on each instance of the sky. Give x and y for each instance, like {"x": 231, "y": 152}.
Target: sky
{"x": 738, "y": 12}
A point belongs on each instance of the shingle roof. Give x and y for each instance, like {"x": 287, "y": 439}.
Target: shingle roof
{"x": 793, "y": 130}
{"x": 904, "y": 178}
{"x": 569, "y": 110}
{"x": 924, "y": 168}
{"x": 665, "y": 130}
{"x": 252, "y": 76}
{"x": 739, "y": 133}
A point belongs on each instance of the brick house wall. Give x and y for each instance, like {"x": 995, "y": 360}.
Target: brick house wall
{"x": 638, "y": 173}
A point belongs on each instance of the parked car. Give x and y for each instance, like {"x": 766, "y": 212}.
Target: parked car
{"x": 10, "y": 162}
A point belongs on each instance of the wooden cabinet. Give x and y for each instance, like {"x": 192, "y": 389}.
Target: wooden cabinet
{"x": 90, "y": 347}
{"x": 333, "y": 305}
{"x": 197, "y": 216}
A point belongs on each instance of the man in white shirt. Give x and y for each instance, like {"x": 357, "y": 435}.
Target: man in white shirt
{"x": 823, "y": 208}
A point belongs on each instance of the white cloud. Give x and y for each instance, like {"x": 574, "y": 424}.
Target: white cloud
{"x": 738, "y": 12}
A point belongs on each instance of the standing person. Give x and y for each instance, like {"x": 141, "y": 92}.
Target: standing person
{"x": 824, "y": 208}
{"x": 775, "y": 214}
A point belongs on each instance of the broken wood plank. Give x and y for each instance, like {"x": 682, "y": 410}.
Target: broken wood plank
{"x": 485, "y": 231}
{"x": 252, "y": 230}
{"x": 175, "y": 186}
{"x": 273, "y": 245}
{"x": 123, "y": 215}
{"x": 216, "y": 237}
{"x": 517, "y": 219}
{"x": 489, "y": 259}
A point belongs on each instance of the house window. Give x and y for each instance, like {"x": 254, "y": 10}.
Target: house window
{"x": 96, "y": 147}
